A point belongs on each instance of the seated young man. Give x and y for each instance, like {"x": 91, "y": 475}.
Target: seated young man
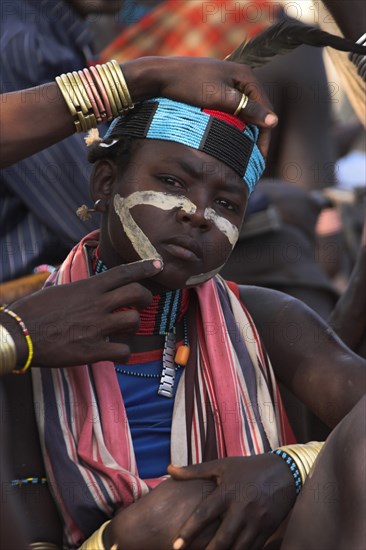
{"x": 171, "y": 182}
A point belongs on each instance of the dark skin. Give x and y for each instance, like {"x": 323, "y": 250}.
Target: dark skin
{"x": 331, "y": 501}
{"x": 67, "y": 329}
{"x": 38, "y": 117}
{"x": 348, "y": 317}
{"x": 296, "y": 363}
{"x": 316, "y": 366}
{"x": 160, "y": 166}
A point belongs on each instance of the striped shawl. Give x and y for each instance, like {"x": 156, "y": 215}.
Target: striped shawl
{"x": 227, "y": 404}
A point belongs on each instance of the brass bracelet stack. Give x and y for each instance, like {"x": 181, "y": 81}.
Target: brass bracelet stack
{"x": 300, "y": 458}
{"x": 8, "y": 354}
{"x": 8, "y": 349}
{"x": 95, "y": 95}
{"x": 95, "y": 541}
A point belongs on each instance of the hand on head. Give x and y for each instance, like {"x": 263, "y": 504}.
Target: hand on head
{"x": 207, "y": 83}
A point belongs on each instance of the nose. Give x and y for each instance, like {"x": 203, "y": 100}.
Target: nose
{"x": 196, "y": 219}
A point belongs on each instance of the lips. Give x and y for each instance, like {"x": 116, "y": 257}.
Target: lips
{"x": 184, "y": 247}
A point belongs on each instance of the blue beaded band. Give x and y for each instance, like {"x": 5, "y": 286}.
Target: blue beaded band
{"x": 164, "y": 119}
{"x": 293, "y": 467}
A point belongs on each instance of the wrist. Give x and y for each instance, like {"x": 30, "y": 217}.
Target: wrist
{"x": 146, "y": 76}
{"x": 282, "y": 477}
{"x": 299, "y": 460}
{"x": 15, "y": 331}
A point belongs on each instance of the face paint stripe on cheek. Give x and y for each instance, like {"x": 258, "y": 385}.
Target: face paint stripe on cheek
{"x": 140, "y": 242}
{"x": 227, "y": 228}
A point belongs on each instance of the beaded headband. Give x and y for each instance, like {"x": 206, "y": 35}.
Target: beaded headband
{"x": 218, "y": 134}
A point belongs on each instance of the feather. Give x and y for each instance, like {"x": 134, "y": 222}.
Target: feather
{"x": 285, "y": 36}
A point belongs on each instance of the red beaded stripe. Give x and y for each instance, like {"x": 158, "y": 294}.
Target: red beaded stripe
{"x": 151, "y": 316}
{"x": 226, "y": 117}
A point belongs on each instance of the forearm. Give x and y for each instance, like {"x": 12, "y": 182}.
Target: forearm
{"x": 32, "y": 120}
{"x": 36, "y": 118}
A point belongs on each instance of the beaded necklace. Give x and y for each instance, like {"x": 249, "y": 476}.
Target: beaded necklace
{"x": 160, "y": 318}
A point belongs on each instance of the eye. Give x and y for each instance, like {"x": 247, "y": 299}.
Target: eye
{"x": 226, "y": 204}
{"x": 171, "y": 181}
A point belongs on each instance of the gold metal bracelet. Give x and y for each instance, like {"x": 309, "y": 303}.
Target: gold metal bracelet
{"x": 75, "y": 94}
{"x": 120, "y": 91}
{"x": 104, "y": 78}
{"x": 304, "y": 456}
{"x": 83, "y": 123}
{"x": 95, "y": 541}
{"x": 310, "y": 455}
{"x": 65, "y": 93}
{"x": 86, "y": 116}
{"x": 123, "y": 83}
{"x": 301, "y": 453}
{"x": 82, "y": 90}
{"x": 113, "y": 88}
{"x": 91, "y": 121}
{"x": 8, "y": 354}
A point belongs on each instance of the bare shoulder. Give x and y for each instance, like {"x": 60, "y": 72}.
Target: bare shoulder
{"x": 289, "y": 328}
{"x": 307, "y": 356}
{"x": 266, "y": 306}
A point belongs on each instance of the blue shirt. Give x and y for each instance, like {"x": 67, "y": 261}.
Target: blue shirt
{"x": 41, "y": 39}
{"x": 149, "y": 417}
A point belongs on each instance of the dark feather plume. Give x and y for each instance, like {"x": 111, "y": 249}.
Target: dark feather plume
{"x": 284, "y": 37}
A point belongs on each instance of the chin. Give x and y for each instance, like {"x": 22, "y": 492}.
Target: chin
{"x": 169, "y": 279}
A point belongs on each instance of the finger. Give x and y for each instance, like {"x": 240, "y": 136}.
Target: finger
{"x": 228, "y": 532}
{"x": 250, "y": 539}
{"x": 207, "y": 512}
{"x": 258, "y": 114}
{"x": 127, "y": 273}
{"x": 263, "y": 142}
{"x": 206, "y": 470}
{"x": 110, "y": 351}
{"x": 125, "y": 322}
{"x": 133, "y": 294}
{"x": 261, "y": 115}
{"x": 257, "y": 110}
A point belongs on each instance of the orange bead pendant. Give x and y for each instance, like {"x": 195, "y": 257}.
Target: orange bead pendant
{"x": 182, "y": 355}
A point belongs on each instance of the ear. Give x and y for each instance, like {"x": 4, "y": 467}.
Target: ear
{"x": 103, "y": 176}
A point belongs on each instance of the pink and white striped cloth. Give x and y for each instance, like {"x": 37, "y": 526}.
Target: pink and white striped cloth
{"x": 227, "y": 404}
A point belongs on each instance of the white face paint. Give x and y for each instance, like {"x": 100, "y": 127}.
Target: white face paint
{"x": 140, "y": 242}
{"x": 203, "y": 277}
{"x": 227, "y": 228}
